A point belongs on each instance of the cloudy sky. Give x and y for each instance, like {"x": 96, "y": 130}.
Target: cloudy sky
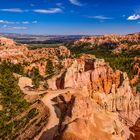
{"x": 70, "y": 16}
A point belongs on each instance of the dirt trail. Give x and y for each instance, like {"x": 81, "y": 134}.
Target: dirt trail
{"x": 53, "y": 119}
{"x": 47, "y": 100}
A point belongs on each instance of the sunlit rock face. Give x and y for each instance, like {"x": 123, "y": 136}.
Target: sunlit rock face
{"x": 112, "y": 38}
{"x": 106, "y": 105}
{"x": 38, "y": 58}
{"x": 125, "y": 47}
{"x": 100, "y": 104}
{"x": 81, "y": 117}
{"x": 86, "y": 120}
{"x": 10, "y": 50}
{"x": 19, "y": 53}
{"x": 95, "y": 78}
{"x": 117, "y": 44}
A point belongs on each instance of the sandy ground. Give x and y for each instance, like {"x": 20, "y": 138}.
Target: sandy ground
{"x": 24, "y": 82}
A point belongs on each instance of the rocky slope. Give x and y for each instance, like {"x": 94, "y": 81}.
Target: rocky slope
{"x": 87, "y": 99}
{"x": 108, "y": 90}
{"x": 11, "y": 50}
{"x": 121, "y": 51}
{"x": 85, "y": 119}
{"x": 110, "y": 39}
{"x": 18, "y": 53}
{"x": 115, "y": 43}
{"x": 136, "y": 130}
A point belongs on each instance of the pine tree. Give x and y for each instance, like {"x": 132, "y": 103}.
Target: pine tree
{"x": 49, "y": 68}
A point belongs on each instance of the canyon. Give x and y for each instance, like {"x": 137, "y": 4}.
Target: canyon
{"x": 85, "y": 98}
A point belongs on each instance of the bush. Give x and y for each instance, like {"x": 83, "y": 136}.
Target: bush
{"x": 15, "y": 68}
{"x": 46, "y": 86}
{"x": 36, "y": 77}
{"x": 32, "y": 113}
{"x": 122, "y": 63}
{"x": 49, "y": 68}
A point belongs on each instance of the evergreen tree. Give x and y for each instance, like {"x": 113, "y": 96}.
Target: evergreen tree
{"x": 36, "y": 77}
{"x": 49, "y": 68}
{"x": 11, "y": 100}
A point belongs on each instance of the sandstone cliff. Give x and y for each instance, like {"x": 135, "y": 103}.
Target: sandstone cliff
{"x": 112, "y": 38}
{"x": 105, "y": 106}
{"x": 10, "y": 50}
{"x": 86, "y": 120}
{"x": 88, "y": 99}
{"x": 19, "y": 53}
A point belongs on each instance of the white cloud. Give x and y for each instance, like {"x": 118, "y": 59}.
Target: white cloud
{"x": 49, "y": 11}
{"x": 100, "y": 17}
{"x": 12, "y": 22}
{"x": 133, "y": 17}
{"x": 8, "y": 22}
{"x": 76, "y": 2}
{"x": 19, "y": 28}
{"x": 14, "y": 28}
{"x": 16, "y": 10}
{"x": 5, "y": 22}
{"x": 25, "y": 22}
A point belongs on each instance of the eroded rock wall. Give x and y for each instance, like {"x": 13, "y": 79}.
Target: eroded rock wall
{"x": 95, "y": 78}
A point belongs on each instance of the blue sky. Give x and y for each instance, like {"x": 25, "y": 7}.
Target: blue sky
{"x": 70, "y": 16}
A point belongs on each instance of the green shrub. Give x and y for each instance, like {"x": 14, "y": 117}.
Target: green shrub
{"x": 46, "y": 86}
{"x": 49, "y": 68}
{"x": 36, "y": 77}
{"x": 32, "y": 113}
{"x": 122, "y": 63}
{"x": 15, "y": 68}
